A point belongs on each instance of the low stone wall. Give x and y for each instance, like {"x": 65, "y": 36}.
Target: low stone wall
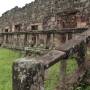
{"x": 28, "y": 75}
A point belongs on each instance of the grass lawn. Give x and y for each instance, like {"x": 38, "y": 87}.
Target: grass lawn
{"x": 6, "y": 59}
{"x": 54, "y": 74}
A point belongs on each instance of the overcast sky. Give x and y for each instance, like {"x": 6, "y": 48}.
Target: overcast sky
{"x": 8, "y": 4}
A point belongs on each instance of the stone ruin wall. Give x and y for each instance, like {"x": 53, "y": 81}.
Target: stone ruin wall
{"x": 38, "y": 13}
{"x": 41, "y": 13}
{"x": 30, "y": 14}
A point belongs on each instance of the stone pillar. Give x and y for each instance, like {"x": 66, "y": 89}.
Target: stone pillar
{"x": 37, "y": 40}
{"x": 28, "y": 75}
{"x": 12, "y": 40}
{"x": 4, "y": 40}
{"x": 45, "y": 40}
{"x": 15, "y": 41}
{"x": 63, "y": 75}
{"x": 25, "y": 40}
{"x": 81, "y": 55}
{"x": 48, "y": 41}
{"x": 51, "y": 41}
{"x": 66, "y": 37}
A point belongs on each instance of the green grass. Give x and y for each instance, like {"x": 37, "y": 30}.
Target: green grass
{"x": 71, "y": 66}
{"x": 53, "y": 77}
{"x": 6, "y": 59}
{"x": 88, "y": 88}
{"x": 83, "y": 87}
{"x": 54, "y": 74}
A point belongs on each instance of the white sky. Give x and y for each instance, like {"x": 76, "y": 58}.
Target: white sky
{"x": 8, "y": 4}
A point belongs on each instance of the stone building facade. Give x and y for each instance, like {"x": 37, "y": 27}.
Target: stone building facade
{"x": 39, "y": 16}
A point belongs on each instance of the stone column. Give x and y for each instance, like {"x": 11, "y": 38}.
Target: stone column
{"x": 4, "y": 40}
{"x": 15, "y": 41}
{"x": 28, "y": 75}
{"x": 12, "y": 40}
{"x": 37, "y": 39}
{"x": 52, "y": 41}
{"x": 25, "y": 40}
{"x": 81, "y": 55}
{"x": 45, "y": 40}
{"x": 66, "y": 37}
{"x": 48, "y": 41}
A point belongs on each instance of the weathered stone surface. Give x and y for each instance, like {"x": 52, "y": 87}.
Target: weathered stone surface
{"x": 43, "y": 15}
{"x": 26, "y": 71}
{"x": 47, "y": 39}
{"x": 51, "y": 58}
{"x": 28, "y": 75}
{"x": 39, "y": 12}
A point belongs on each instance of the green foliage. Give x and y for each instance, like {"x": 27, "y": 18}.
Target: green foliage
{"x": 83, "y": 87}
{"x": 88, "y": 88}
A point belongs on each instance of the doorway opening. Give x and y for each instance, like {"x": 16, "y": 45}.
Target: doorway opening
{"x": 18, "y": 27}
{"x": 6, "y": 30}
{"x": 34, "y": 27}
